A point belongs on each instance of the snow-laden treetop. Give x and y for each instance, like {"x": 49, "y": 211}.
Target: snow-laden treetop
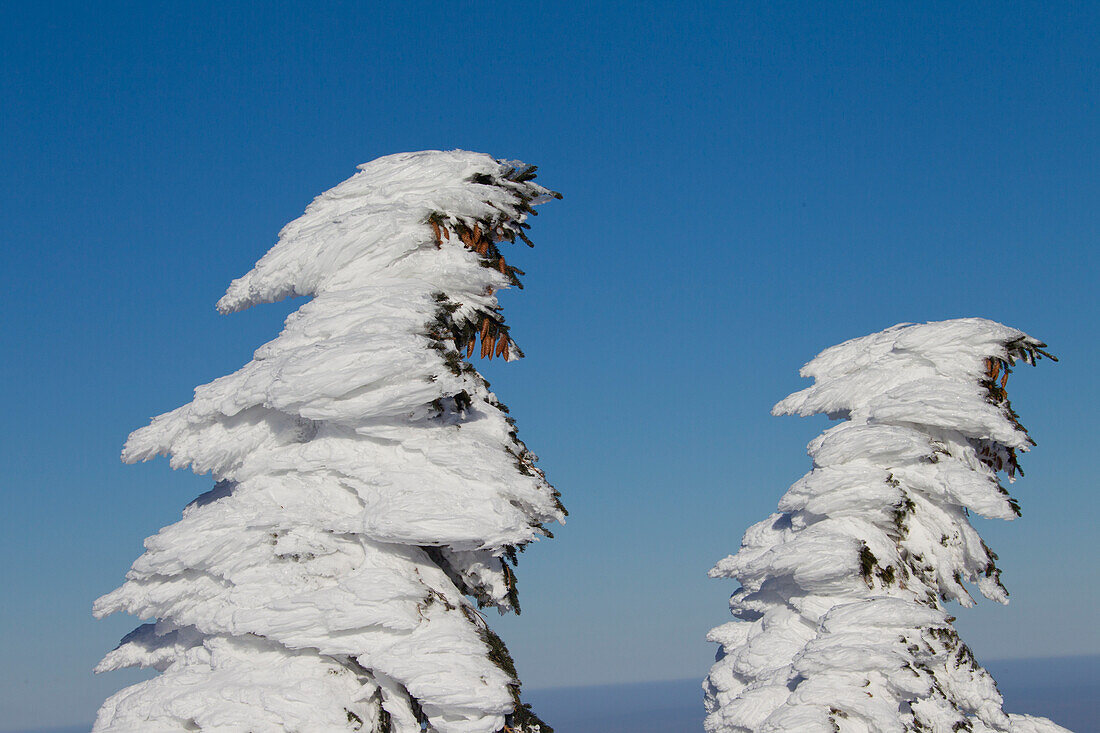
{"x": 937, "y": 375}
{"x": 392, "y": 307}
{"x": 372, "y": 492}
{"x": 842, "y": 600}
{"x": 361, "y": 230}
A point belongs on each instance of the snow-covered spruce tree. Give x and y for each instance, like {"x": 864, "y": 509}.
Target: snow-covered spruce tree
{"x": 843, "y": 591}
{"x": 370, "y": 488}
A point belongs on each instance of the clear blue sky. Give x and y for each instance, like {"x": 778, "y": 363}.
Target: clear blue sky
{"x": 744, "y": 186}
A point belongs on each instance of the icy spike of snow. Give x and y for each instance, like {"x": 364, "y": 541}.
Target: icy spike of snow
{"x": 842, "y": 600}
{"x": 372, "y": 492}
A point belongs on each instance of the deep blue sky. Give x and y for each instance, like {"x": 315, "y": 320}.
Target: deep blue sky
{"x": 744, "y": 186}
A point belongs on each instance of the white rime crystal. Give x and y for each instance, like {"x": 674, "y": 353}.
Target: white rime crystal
{"x": 842, "y": 601}
{"x": 369, "y": 483}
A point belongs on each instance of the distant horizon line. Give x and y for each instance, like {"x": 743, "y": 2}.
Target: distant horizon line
{"x": 86, "y": 727}
{"x": 669, "y": 680}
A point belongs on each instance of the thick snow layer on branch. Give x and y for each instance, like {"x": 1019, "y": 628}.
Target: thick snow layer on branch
{"x": 365, "y": 227}
{"x": 369, "y": 481}
{"x": 842, "y": 595}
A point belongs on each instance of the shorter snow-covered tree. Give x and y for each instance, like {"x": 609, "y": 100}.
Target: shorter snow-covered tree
{"x": 843, "y": 625}
{"x": 371, "y": 491}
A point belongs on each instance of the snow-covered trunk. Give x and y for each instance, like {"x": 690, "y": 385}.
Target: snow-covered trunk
{"x": 842, "y": 620}
{"x": 372, "y": 493}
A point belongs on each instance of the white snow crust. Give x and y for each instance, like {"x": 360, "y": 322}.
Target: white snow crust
{"x": 842, "y": 619}
{"x": 369, "y": 482}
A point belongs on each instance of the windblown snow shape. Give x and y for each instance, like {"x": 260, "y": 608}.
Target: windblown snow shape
{"x": 843, "y": 626}
{"x": 370, "y": 488}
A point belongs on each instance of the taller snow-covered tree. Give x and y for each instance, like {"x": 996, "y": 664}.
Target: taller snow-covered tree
{"x": 371, "y": 492}
{"x": 842, "y": 606}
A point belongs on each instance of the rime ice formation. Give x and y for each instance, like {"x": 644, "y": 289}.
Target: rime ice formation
{"x": 842, "y": 620}
{"x": 369, "y": 483}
